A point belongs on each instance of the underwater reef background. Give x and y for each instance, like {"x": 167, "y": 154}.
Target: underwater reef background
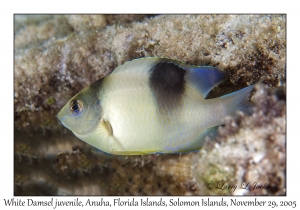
{"x": 58, "y": 55}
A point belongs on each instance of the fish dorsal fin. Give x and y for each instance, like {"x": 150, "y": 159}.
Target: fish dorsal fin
{"x": 138, "y": 66}
{"x": 204, "y": 78}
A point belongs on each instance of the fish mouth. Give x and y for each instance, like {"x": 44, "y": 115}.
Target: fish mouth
{"x": 61, "y": 121}
{"x": 60, "y": 118}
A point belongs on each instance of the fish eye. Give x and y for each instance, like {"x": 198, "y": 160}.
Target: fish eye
{"x": 76, "y": 106}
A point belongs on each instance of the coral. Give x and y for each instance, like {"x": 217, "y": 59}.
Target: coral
{"x": 56, "y": 56}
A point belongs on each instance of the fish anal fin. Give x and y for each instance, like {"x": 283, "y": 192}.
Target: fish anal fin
{"x": 197, "y": 145}
{"x": 211, "y": 132}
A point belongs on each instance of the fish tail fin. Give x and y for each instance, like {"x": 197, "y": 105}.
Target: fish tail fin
{"x": 238, "y": 100}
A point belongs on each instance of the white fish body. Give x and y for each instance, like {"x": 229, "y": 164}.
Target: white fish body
{"x": 151, "y": 105}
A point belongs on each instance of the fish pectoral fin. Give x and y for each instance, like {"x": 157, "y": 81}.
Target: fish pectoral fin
{"x": 106, "y": 127}
{"x": 112, "y": 142}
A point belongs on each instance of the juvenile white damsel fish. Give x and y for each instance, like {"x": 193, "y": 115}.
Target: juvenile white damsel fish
{"x": 151, "y": 105}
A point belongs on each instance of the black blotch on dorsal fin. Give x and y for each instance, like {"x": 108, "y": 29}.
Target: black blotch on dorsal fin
{"x": 167, "y": 84}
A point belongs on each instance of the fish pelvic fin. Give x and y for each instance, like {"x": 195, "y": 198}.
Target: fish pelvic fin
{"x": 238, "y": 100}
